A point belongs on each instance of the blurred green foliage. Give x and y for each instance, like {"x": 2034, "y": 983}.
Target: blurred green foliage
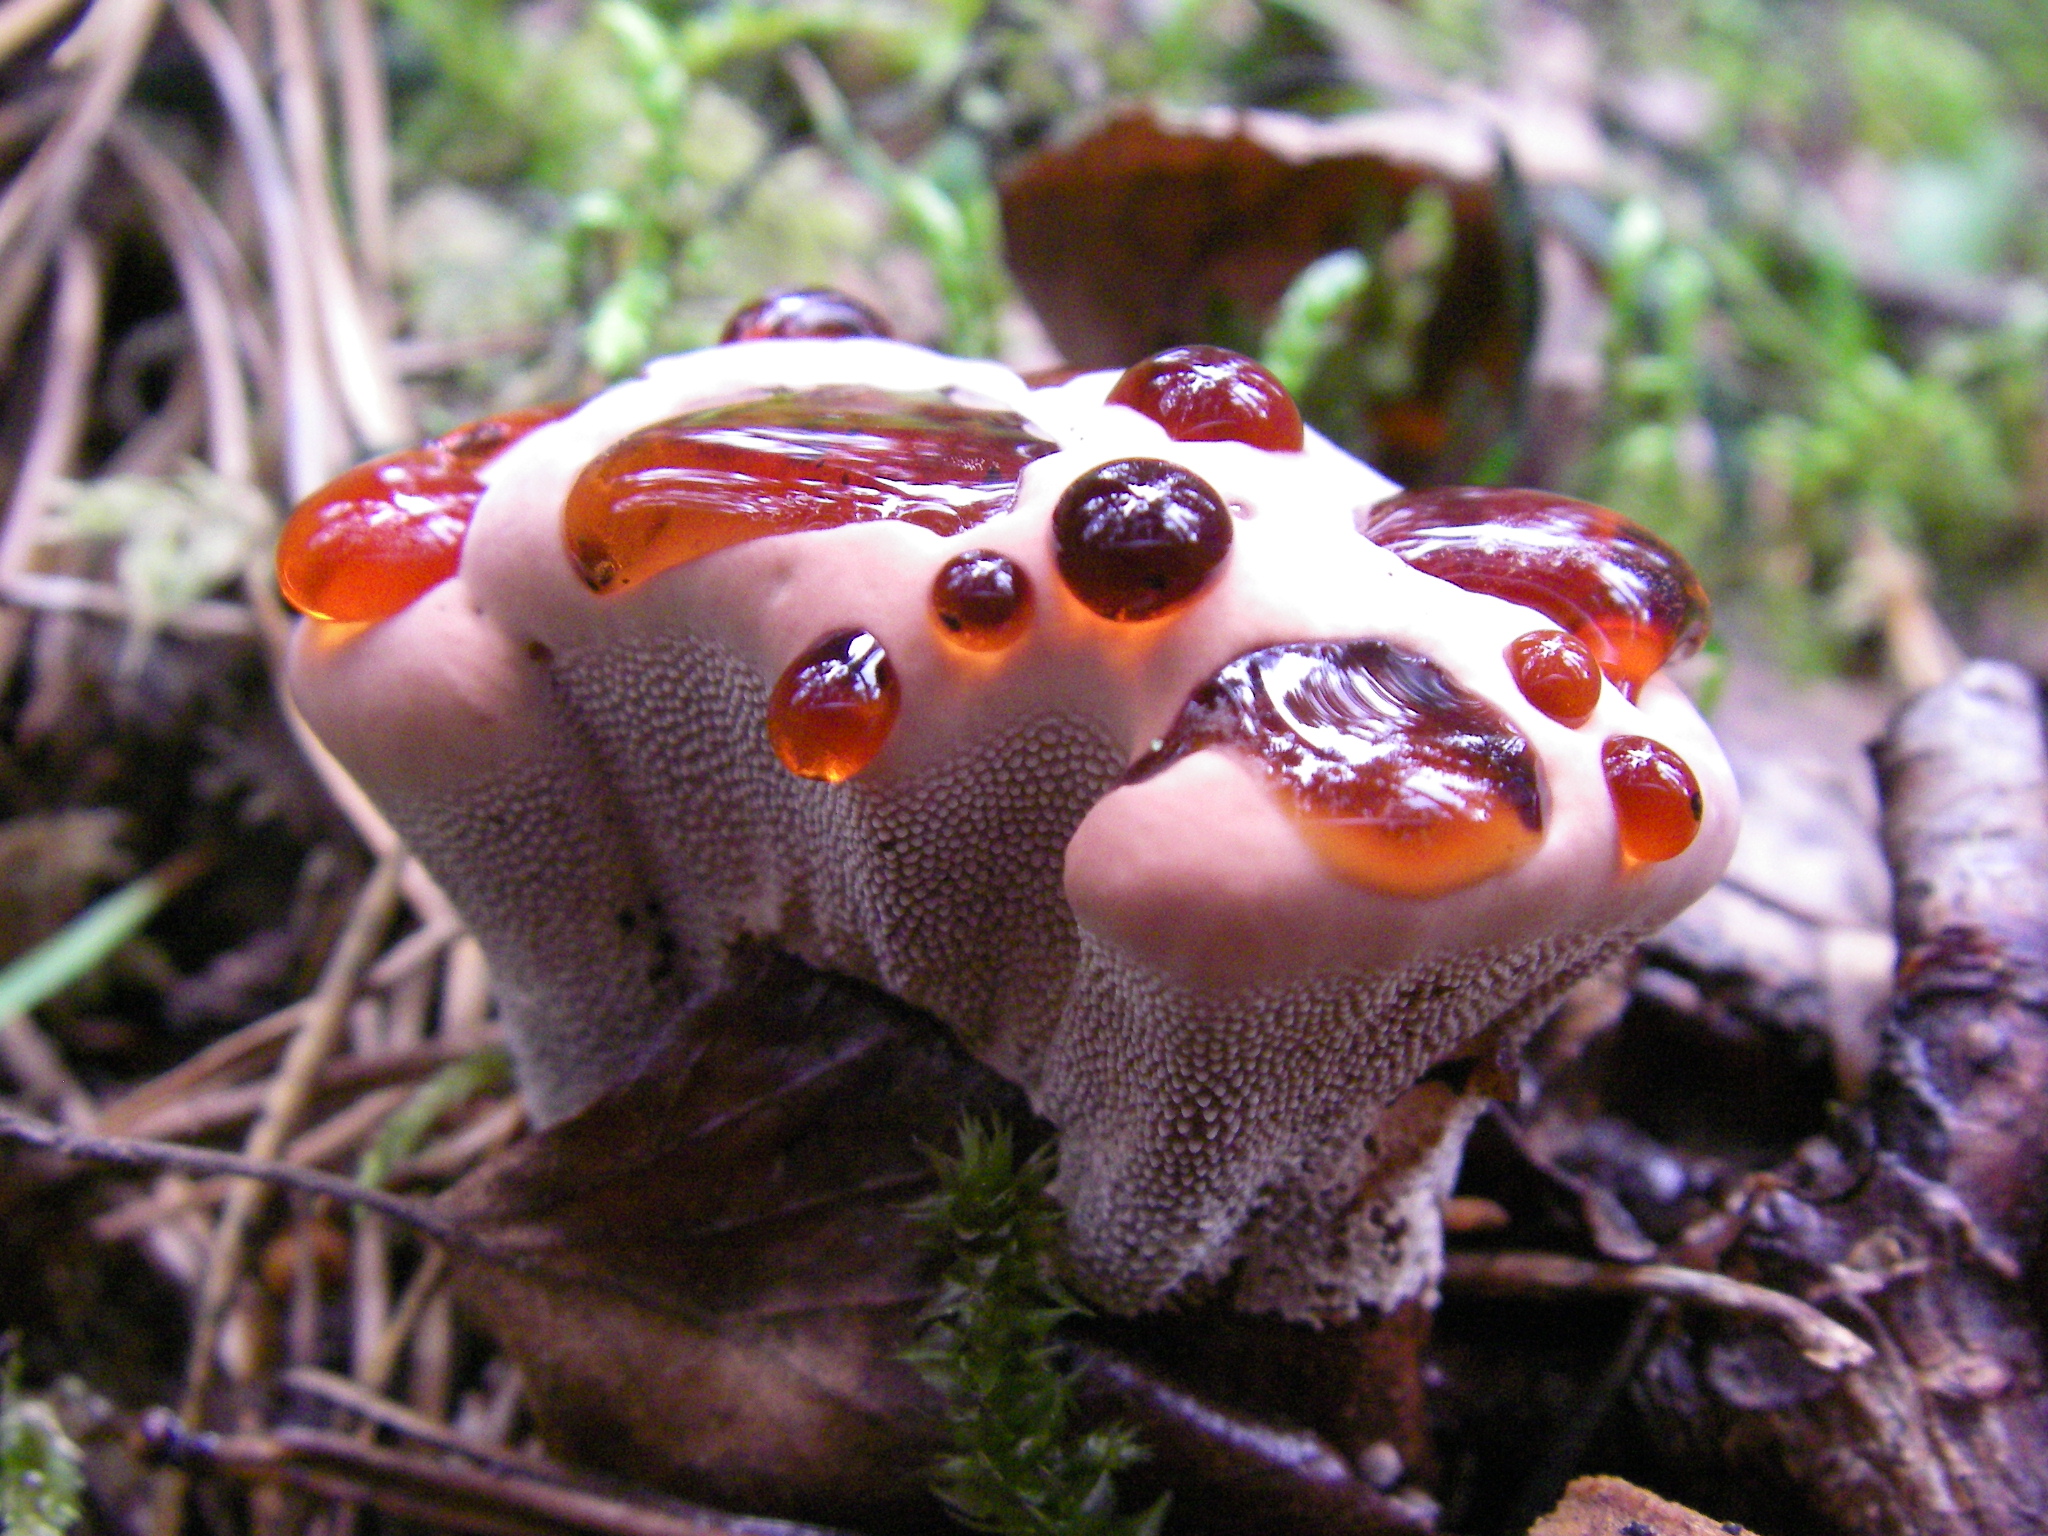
{"x": 1781, "y": 379}
{"x": 42, "y": 1478}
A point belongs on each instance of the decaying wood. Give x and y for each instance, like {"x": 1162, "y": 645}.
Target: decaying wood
{"x": 1924, "y": 1238}
{"x": 1595, "y": 1506}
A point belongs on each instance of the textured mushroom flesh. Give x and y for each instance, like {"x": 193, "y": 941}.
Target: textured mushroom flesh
{"x": 1182, "y": 973}
{"x": 374, "y": 539}
{"x": 1401, "y": 778}
{"x": 1620, "y": 590}
{"x": 795, "y": 462}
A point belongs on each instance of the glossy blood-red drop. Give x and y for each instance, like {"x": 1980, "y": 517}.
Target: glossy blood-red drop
{"x": 1629, "y": 597}
{"x": 790, "y": 463}
{"x": 1400, "y": 778}
{"x": 1203, "y": 394}
{"x": 831, "y": 710}
{"x": 804, "y": 312}
{"x": 376, "y": 538}
{"x": 1657, "y": 802}
{"x": 1555, "y": 673}
{"x": 982, "y": 600}
{"x": 1136, "y": 538}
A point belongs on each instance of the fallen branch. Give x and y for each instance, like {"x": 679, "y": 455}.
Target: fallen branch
{"x": 1822, "y": 1340}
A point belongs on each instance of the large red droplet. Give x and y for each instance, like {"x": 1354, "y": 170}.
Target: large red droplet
{"x": 832, "y": 708}
{"x": 371, "y": 541}
{"x": 1657, "y": 802}
{"x": 1555, "y": 673}
{"x": 804, "y": 312}
{"x": 1402, "y": 779}
{"x": 982, "y": 600}
{"x": 790, "y": 463}
{"x": 1629, "y": 597}
{"x": 1205, "y": 394}
{"x": 1136, "y": 538}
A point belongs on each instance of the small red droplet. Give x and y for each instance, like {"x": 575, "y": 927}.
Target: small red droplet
{"x": 804, "y": 312}
{"x": 376, "y": 538}
{"x": 1205, "y": 394}
{"x": 1556, "y": 674}
{"x": 1657, "y": 801}
{"x": 982, "y": 600}
{"x": 832, "y": 708}
{"x": 1136, "y": 538}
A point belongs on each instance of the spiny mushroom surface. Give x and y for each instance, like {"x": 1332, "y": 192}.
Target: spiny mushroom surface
{"x": 1203, "y": 784}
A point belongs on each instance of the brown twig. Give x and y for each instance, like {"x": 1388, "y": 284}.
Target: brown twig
{"x": 23, "y": 21}
{"x": 311, "y": 434}
{"x": 209, "y": 1113}
{"x": 49, "y": 592}
{"x": 36, "y": 208}
{"x": 1822, "y": 1340}
{"x": 182, "y": 217}
{"x": 291, "y": 1087}
{"x": 365, "y": 136}
{"x": 155, "y": 1156}
{"x": 247, "y": 1048}
{"x": 369, "y": 389}
{"x": 60, "y": 415}
{"x": 493, "y": 1501}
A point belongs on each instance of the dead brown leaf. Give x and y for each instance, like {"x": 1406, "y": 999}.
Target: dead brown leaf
{"x": 716, "y": 1277}
{"x": 1149, "y": 232}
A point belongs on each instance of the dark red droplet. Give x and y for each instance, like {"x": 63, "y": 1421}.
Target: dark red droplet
{"x": 376, "y": 538}
{"x": 1402, "y": 779}
{"x": 1136, "y": 538}
{"x": 790, "y": 463}
{"x": 1555, "y": 673}
{"x": 804, "y": 312}
{"x": 1657, "y": 802}
{"x": 982, "y": 600}
{"x": 1629, "y": 597}
{"x": 831, "y": 710}
{"x": 1205, "y": 394}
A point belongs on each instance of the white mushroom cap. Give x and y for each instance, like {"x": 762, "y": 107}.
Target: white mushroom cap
{"x": 1213, "y": 1016}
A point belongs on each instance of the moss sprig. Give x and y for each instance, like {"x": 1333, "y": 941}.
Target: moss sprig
{"x": 1019, "y": 1466}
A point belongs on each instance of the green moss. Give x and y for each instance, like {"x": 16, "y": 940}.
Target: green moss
{"x": 988, "y": 1343}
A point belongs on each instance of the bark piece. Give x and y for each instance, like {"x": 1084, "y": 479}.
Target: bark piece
{"x": 1916, "y": 1239}
{"x": 1608, "y": 1506}
{"x": 1966, "y": 829}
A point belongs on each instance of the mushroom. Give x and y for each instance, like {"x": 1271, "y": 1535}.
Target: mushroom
{"x": 1226, "y": 799}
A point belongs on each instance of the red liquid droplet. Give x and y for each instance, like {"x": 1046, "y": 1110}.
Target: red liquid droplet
{"x": 831, "y": 710}
{"x": 1136, "y": 538}
{"x": 1210, "y": 394}
{"x": 982, "y": 600}
{"x": 1629, "y": 597}
{"x": 1403, "y": 780}
{"x": 804, "y": 312}
{"x": 791, "y": 463}
{"x": 1656, "y": 799}
{"x": 371, "y": 541}
{"x": 1556, "y": 674}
